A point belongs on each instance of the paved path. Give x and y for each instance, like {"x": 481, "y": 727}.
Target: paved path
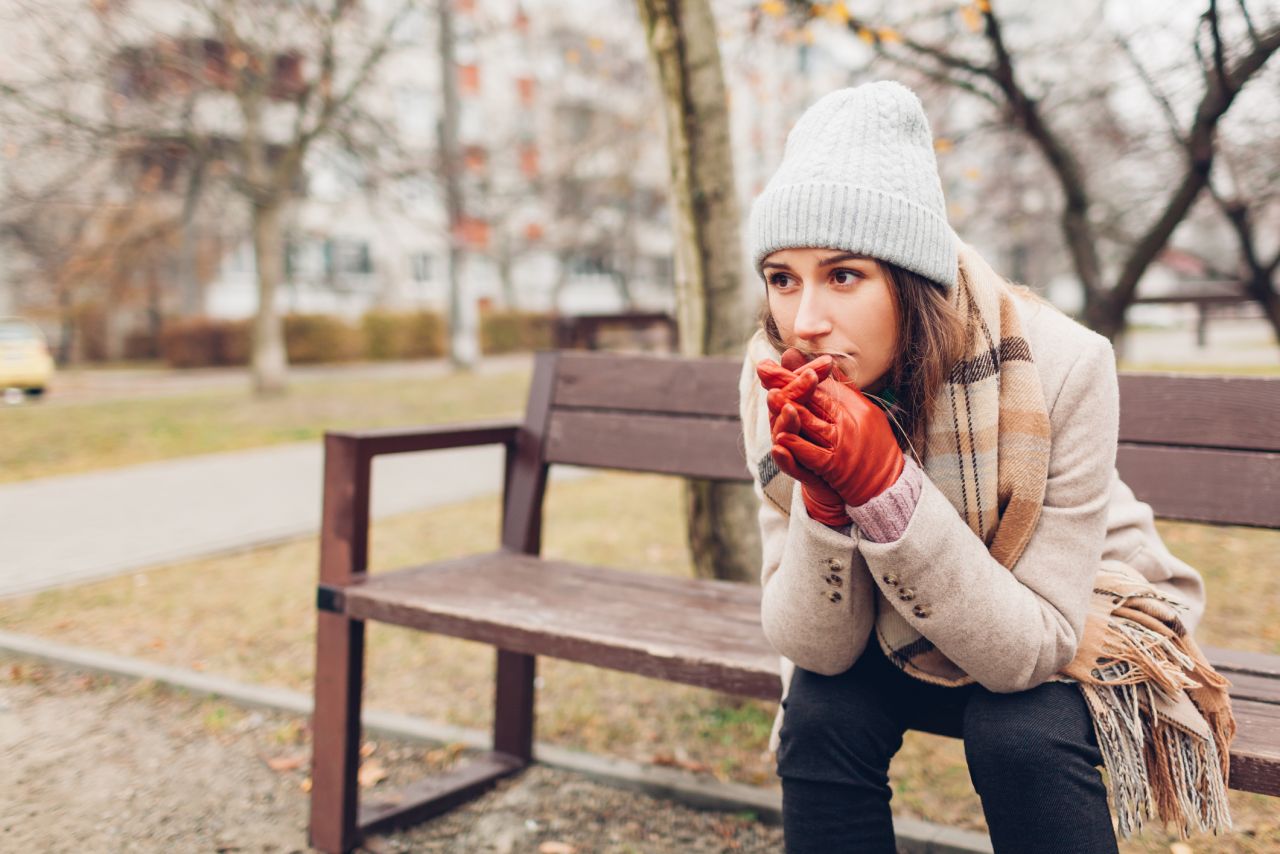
{"x": 63, "y": 530}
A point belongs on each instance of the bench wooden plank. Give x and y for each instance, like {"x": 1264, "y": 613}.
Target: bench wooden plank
{"x": 1255, "y": 753}
{"x": 648, "y": 383}
{"x": 696, "y": 631}
{"x": 667, "y": 444}
{"x": 1213, "y": 412}
{"x": 1246, "y": 686}
{"x": 1225, "y": 487}
{"x": 1242, "y": 661}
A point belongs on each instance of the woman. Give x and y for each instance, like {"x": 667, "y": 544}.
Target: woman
{"x": 959, "y": 548}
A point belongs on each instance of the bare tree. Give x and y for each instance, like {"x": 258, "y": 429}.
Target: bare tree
{"x": 252, "y": 88}
{"x": 987, "y": 67}
{"x": 1244, "y": 187}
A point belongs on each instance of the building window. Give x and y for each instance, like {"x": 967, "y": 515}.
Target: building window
{"x": 590, "y": 265}
{"x": 475, "y": 159}
{"x": 349, "y": 256}
{"x": 415, "y": 113}
{"x": 421, "y": 263}
{"x": 469, "y": 79}
{"x": 529, "y": 160}
{"x": 525, "y": 87}
{"x": 472, "y": 232}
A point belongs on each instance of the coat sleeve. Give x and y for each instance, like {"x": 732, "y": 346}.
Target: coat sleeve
{"x": 1011, "y": 631}
{"x": 817, "y": 599}
{"x": 817, "y": 606}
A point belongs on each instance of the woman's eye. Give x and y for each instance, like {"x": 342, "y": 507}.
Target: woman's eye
{"x": 779, "y": 280}
{"x": 845, "y": 277}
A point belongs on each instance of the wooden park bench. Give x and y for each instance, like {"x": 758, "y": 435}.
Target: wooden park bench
{"x": 1197, "y": 448}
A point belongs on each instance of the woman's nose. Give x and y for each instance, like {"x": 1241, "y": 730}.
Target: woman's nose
{"x": 812, "y": 318}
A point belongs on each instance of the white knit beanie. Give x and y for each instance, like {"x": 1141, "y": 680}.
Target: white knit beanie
{"x": 859, "y": 174}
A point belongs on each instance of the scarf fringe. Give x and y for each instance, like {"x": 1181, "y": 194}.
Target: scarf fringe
{"x": 1157, "y": 768}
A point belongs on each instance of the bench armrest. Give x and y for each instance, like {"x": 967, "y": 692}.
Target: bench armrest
{"x": 403, "y": 440}
{"x": 348, "y": 458}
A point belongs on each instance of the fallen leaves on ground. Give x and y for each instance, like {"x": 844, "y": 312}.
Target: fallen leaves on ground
{"x": 679, "y": 759}
{"x": 371, "y": 773}
{"x": 286, "y": 763}
{"x": 557, "y": 848}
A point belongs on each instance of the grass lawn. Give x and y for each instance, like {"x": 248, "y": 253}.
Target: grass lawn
{"x": 49, "y": 440}
{"x": 251, "y": 616}
{"x": 1233, "y": 370}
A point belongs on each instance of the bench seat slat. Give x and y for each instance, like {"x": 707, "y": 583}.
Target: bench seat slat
{"x": 697, "y": 631}
{"x": 1255, "y": 753}
{"x": 1242, "y": 661}
{"x": 1259, "y": 689}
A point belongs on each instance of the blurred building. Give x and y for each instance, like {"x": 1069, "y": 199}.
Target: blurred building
{"x": 562, "y": 207}
{"x": 562, "y": 161}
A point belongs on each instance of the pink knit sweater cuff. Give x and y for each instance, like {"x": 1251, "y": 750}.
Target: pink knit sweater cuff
{"x": 884, "y": 518}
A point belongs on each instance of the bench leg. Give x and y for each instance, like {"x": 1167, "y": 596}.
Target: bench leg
{"x": 335, "y": 733}
{"x": 513, "y": 705}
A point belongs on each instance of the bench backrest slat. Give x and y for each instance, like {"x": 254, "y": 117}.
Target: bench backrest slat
{"x": 635, "y": 441}
{"x": 1242, "y": 413}
{"x": 1197, "y": 485}
{"x": 643, "y": 383}
{"x": 1197, "y": 448}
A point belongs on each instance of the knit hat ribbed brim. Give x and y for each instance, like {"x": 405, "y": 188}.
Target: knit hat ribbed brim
{"x": 859, "y": 174}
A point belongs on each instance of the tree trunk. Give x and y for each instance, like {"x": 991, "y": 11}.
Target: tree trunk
{"x": 713, "y": 317}
{"x": 1259, "y": 286}
{"x": 462, "y": 333}
{"x": 191, "y": 302}
{"x": 270, "y": 366}
{"x": 1104, "y": 314}
{"x": 67, "y": 327}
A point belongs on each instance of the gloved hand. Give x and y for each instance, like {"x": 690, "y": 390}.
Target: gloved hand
{"x": 844, "y": 438}
{"x": 823, "y": 503}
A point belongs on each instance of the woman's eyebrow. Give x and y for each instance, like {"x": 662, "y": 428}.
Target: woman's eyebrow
{"x": 844, "y": 256}
{"x": 825, "y": 262}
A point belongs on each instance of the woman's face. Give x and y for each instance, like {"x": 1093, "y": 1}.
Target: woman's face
{"x": 827, "y": 300}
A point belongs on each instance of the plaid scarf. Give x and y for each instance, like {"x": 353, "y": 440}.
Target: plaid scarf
{"x": 1161, "y": 714}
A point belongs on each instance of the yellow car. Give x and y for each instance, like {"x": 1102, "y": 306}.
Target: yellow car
{"x": 25, "y": 363}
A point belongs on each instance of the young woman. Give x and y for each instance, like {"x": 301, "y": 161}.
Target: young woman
{"x": 947, "y": 545}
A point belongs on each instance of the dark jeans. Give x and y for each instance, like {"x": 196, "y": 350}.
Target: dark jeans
{"x": 1032, "y": 756}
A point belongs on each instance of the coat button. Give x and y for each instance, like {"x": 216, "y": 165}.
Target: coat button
{"x": 890, "y": 579}
{"x": 834, "y": 565}
{"x": 834, "y": 580}
{"x": 921, "y": 611}
{"x": 834, "y": 596}
{"x": 906, "y": 594}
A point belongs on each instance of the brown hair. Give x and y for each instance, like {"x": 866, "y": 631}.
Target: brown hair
{"x": 931, "y": 339}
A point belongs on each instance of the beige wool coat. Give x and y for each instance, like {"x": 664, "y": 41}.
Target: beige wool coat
{"x": 1010, "y": 631}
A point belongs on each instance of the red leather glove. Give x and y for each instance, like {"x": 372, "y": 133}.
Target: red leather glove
{"x": 823, "y": 503}
{"x": 844, "y": 438}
